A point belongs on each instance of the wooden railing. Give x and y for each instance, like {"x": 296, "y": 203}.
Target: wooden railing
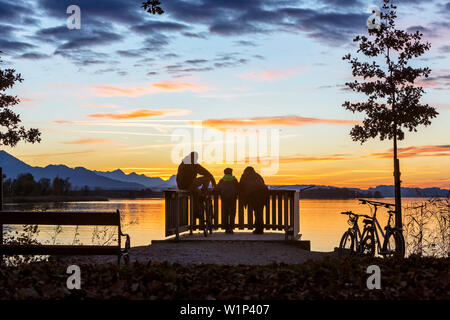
{"x": 281, "y": 212}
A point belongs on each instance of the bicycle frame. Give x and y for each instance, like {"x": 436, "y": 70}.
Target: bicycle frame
{"x": 355, "y": 228}
{"x": 376, "y": 225}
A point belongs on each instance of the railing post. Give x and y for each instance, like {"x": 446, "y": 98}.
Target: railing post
{"x": 296, "y": 211}
{"x": 191, "y": 213}
{"x": 240, "y": 214}
{"x": 177, "y": 215}
{"x": 286, "y": 214}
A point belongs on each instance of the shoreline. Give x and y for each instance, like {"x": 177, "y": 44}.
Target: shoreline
{"x": 60, "y": 199}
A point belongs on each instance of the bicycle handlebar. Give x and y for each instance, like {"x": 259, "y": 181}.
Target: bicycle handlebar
{"x": 376, "y": 203}
{"x": 355, "y": 214}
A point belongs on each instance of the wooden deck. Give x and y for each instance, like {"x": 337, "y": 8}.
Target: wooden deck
{"x": 238, "y": 236}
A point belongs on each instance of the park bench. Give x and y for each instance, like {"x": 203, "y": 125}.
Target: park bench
{"x": 66, "y": 219}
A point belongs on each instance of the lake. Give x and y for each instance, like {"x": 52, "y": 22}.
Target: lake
{"x": 143, "y": 219}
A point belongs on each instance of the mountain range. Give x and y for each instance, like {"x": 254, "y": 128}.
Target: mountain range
{"x": 118, "y": 180}
{"x": 80, "y": 177}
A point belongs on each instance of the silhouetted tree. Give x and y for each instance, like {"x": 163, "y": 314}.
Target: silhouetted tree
{"x": 393, "y": 103}
{"x": 152, "y": 6}
{"x": 25, "y": 185}
{"x": 45, "y": 186}
{"x": 61, "y": 186}
{"x": 9, "y": 120}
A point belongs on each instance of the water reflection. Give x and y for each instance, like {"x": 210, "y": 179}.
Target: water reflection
{"x": 143, "y": 219}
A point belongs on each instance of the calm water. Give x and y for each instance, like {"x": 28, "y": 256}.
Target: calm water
{"x": 320, "y": 220}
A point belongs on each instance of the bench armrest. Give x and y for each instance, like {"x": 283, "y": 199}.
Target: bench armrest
{"x": 127, "y": 242}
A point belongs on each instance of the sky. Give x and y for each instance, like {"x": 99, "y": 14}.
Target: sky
{"x": 128, "y": 89}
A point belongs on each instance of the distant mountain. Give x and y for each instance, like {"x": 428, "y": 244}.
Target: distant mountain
{"x": 79, "y": 177}
{"x": 154, "y": 183}
{"x": 388, "y": 191}
{"x": 384, "y": 191}
{"x": 118, "y": 180}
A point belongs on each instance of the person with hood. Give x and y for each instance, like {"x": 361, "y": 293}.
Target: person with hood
{"x": 191, "y": 176}
{"x": 228, "y": 188}
{"x": 254, "y": 193}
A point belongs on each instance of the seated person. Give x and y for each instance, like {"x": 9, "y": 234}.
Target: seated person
{"x": 228, "y": 187}
{"x": 187, "y": 178}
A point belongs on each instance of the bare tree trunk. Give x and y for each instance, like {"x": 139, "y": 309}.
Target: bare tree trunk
{"x": 397, "y": 181}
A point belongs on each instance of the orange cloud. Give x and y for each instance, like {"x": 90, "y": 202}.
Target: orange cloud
{"x": 88, "y": 141}
{"x": 111, "y": 91}
{"x": 419, "y": 151}
{"x": 167, "y": 86}
{"x": 27, "y": 100}
{"x": 289, "y": 121}
{"x": 268, "y": 75}
{"x": 135, "y": 114}
{"x": 179, "y": 86}
{"x": 63, "y": 122}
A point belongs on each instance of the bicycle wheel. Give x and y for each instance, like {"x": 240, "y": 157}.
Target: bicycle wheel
{"x": 347, "y": 244}
{"x": 368, "y": 243}
{"x": 394, "y": 244}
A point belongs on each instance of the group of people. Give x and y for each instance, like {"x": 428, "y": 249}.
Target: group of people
{"x": 251, "y": 190}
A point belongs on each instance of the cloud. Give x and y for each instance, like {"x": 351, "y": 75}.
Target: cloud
{"x": 268, "y": 75}
{"x": 246, "y": 43}
{"x": 438, "y": 79}
{"x": 179, "y": 86}
{"x": 97, "y": 12}
{"x": 166, "y": 86}
{"x": 111, "y": 91}
{"x": 15, "y": 12}
{"x": 34, "y": 56}
{"x": 288, "y": 121}
{"x": 140, "y": 113}
{"x": 8, "y": 46}
{"x": 158, "y": 26}
{"x": 417, "y": 151}
{"x": 295, "y": 159}
{"x": 88, "y": 141}
{"x": 334, "y": 24}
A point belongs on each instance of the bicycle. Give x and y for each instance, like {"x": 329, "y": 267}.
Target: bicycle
{"x": 351, "y": 239}
{"x": 206, "y": 212}
{"x": 393, "y": 241}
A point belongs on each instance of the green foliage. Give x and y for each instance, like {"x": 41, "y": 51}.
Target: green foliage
{"x": 393, "y": 103}
{"x": 10, "y": 120}
{"x": 412, "y": 278}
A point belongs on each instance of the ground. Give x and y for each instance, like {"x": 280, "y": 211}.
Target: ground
{"x": 222, "y": 249}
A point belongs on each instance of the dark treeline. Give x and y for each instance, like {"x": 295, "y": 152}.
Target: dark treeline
{"x": 25, "y": 186}
{"x": 338, "y": 193}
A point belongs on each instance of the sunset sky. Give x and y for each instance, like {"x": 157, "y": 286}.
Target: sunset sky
{"x": 112, "y": 94}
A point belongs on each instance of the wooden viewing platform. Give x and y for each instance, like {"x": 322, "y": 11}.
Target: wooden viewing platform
{"x": 281, "y": 219}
